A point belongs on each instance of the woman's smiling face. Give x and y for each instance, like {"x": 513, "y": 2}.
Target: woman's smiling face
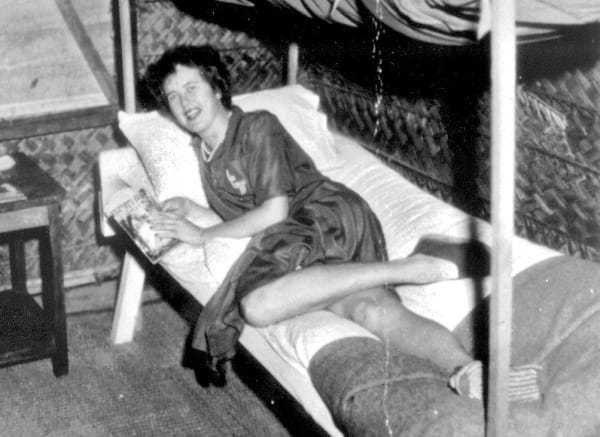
{"x": 191, "y": 99}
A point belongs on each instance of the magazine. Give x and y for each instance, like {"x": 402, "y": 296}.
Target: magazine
{"x": 10, "y": 193}
{"x": 131, "y": 210}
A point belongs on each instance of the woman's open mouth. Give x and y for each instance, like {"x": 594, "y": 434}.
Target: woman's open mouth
{"x": 191, "y": 114}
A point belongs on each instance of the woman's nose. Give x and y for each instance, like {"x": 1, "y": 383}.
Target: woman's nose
{"x": 187, "y": 101}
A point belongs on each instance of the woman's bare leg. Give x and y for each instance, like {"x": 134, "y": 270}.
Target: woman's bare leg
{"x": 356, "y": 291}
{"x": 319, "y": 286}
{"x": 381, "y": 312}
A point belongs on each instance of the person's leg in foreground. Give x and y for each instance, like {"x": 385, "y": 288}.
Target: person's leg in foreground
{"x": 361, "y": 293}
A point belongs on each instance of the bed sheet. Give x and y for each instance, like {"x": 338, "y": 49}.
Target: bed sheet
{"x": 407, "y": 213}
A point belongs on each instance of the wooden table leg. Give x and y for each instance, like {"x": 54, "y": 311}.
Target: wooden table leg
{"x": 52, "y": 289}
{"x": 18, "y": 274}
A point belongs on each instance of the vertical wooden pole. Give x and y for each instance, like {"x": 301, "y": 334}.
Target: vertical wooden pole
{"x": 131, "y": 282}
{"x": 127, "y": 60}
{"x": 503, "y": 51}
{"x": 129, "y": 301}
{"x": 292, "y": 65}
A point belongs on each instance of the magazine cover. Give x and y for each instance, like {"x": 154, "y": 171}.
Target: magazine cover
{"x": 132, "y": 214}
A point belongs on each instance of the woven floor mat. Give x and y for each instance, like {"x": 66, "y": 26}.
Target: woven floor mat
{"x": 139, "y": 389}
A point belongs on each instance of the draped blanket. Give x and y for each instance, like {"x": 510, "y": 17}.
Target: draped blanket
{"x": 375, "y": 391}
{"x": 448, "y": 22}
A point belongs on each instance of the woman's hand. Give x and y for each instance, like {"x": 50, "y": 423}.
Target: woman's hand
{"x": 170, "y": 225}
{"x": 179, "y": 206}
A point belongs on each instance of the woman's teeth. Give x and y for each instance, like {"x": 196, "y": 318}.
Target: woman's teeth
{"x": 190, "y": 115}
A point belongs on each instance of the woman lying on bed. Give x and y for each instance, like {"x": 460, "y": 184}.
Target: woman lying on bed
{"x": 316, "y": 244}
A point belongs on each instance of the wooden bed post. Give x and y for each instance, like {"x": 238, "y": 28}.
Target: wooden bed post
{"x": 503, "y": 101}
{"x": 127, "y": 61}
{"x": 292, "y": 65}
{"x": 131, "y": 281}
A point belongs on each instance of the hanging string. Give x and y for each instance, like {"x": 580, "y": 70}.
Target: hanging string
{"x": 378, "y": 62}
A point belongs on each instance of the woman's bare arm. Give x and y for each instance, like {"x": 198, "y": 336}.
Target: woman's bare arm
{"x": 172, "y": 225}
{"x": 273, "y": 210}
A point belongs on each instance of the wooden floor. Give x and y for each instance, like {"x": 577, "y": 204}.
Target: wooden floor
{"x": 137, "y": 389}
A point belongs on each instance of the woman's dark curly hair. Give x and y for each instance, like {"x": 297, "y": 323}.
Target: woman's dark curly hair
{"x": 205, "y": 58}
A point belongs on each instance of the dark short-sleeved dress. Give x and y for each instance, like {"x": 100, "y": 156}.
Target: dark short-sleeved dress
{"x": 327, "y": 222}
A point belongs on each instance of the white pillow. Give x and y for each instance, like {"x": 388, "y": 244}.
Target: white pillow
{"x": 166, "y": 154}
{"x": 297, "y": 108}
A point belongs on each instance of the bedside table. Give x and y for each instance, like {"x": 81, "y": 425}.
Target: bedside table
{"x": 29, "y": 331}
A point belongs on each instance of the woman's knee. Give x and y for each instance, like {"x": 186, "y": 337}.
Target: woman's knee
{"x": 258, "y": 308}
{"x": 253, "y": 312}
{"x": 369, "y": 310}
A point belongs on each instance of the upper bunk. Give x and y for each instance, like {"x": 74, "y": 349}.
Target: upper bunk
{"x": 448, "y": 22}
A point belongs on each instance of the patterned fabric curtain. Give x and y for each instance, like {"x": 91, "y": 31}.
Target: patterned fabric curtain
{"x": 448, "y": 22}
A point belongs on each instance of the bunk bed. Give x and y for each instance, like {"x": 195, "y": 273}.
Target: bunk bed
{"x": 552, "y": 317}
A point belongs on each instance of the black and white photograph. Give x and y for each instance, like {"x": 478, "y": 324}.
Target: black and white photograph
{"x": 300, "y": 218}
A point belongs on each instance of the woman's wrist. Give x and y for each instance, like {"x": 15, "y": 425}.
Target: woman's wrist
{"x": 208, "y": 233}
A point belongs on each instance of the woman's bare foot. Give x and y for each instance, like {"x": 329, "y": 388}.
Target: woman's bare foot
{"x": 471, "y": 258}
{"x": 425, "y": 269}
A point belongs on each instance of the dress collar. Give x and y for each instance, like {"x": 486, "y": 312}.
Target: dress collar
{"x": 232, "y": 126}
